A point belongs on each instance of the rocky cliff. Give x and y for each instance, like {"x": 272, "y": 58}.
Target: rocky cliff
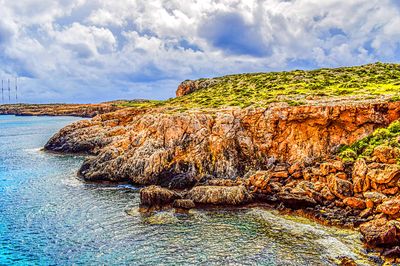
{"x": 147, "y": 147}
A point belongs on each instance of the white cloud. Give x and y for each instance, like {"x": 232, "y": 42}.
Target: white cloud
{"x": 91, "y": 50}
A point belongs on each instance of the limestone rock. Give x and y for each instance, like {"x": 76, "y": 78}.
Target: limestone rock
{"x": 183, "y": 204}
{"x": 389, "y": 207}
{"x": 339, "y": 187}
{"x": 296, "y": 201}
{"x": 218, "y": 195}
{"x": 381, "y": 232}
{"x": 359, "y": 175}
{"x": 326, "y": 193}
{"x": 156, "y": 196}
{"x": 384, "y": 174}
{"x": 374, "y": 196}
{"x": 355, "y": 203}
{"x": 331, "y": 167}
{"x": 147, "y": 146}
{"x": 386, "y": 154}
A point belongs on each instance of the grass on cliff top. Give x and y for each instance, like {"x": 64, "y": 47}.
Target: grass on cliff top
{"x": 294, "y": 87}
{"x": 363, "y": 148}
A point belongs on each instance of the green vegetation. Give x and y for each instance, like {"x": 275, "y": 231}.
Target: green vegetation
{"x": 140, "y": 103}
{"x": 363, "y": 148}
{"x": 294, "y": 87}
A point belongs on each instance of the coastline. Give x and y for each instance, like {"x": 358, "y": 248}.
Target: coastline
{"x": 321, "y": 189}
{"x": 75, "y": 110}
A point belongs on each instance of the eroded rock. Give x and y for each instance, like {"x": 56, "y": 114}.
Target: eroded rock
{"x": 355, "y": 203}
{"x": 185, "y": 204}
{"x": 386, "y": 154}
{"x": 296, "y": 201}
{"x": 389, "y": 207}
{"x": 381, "y": 232}
{"x": 218, "y": 195}
{"x": 155, "y": 196}
{"x": 384, "y": 173}
{"x": 339, "y": 187}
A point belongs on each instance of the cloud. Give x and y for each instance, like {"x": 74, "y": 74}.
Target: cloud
{"x": 96, "y": 50}
{"x": 230, "y": 33}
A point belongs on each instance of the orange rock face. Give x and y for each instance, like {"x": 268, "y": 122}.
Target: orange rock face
{"x": 224, "y": 143}
{"x": 390, "y": 207}
{"x": 355, "y": 203}
{"x": 186, "y": 87}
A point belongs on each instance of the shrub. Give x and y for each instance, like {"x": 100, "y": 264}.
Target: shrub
{"x": 394, "y": 127}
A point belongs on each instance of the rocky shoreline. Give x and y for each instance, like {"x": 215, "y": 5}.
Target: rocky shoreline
{"x": 282, "y": 156}
{"x": 79, "y": 110}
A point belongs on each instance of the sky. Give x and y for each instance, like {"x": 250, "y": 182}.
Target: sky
{"x": 101, "y": 50}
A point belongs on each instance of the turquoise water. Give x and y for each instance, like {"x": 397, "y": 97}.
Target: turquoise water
{"x": 49, "y": 217}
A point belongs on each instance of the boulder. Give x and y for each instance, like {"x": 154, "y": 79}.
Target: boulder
{"x": 260, "y": 180}
{"x": 219, "y": 195}
{"x": 355, "y": 203}
{"x": 279, "y": 174}
{"x": 156, "y": 196}
{"x": 386, "y": 154}
{"x": 296, "y": 201}
{"x": 391, "y": 191}
{"x": 384, "y": 173}
{"x": 331, "y": 167}
{"x": 389, "y": 207}
{"x": 381, "y": 232}
{"x": 339, "y": 187}
{"x": 393, "y": 252}
{"x": 221, "y": 182}
{"x": 186, "y": 87}
{"x": 375, "y": 197}
{"x": 360, "y": 182}
{"x": 369, "y": 204}
{"x": 366, "y": 213}
{"x": 294, "y": 168}
{"x": 326, "y": 193}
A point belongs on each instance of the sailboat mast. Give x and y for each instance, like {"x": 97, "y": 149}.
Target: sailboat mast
{"x": 16, "y": 90}
{"x": 2, "y": 91}
{"x": 9, "y": 91}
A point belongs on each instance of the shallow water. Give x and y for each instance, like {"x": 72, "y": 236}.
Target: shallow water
{"x": 49, "y": 217}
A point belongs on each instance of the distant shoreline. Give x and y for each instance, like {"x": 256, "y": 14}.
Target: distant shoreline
{"x": 76, "y": 110}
